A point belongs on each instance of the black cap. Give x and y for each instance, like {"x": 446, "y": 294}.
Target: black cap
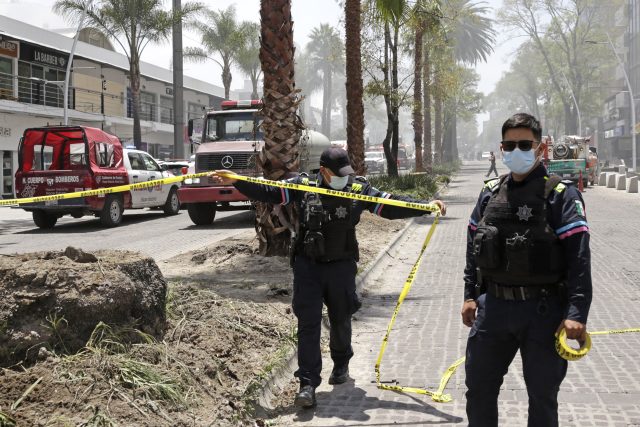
{"x": 337, "y": 160}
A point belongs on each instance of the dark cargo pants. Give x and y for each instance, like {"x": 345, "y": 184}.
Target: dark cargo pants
{"x": 333, "y": 284}
{"x": 501, "y": 328}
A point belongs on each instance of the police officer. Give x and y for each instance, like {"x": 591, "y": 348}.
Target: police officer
{"x": 325, "y": 257}
{"x": 527, "y": 275}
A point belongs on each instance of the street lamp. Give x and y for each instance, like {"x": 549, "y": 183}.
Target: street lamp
{"x": 631, "y": 98}
{"x": 70, "y": 62}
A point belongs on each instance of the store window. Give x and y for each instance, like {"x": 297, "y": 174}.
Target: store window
{"x": 6, "y": 78}
{"x": 39, "y": 84}
{"x": 7, "y": 174}
{"x": 147, "y": 106}
{"x": 166, "y": 109}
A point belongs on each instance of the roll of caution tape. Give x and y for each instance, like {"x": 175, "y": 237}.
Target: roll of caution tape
{"x": 569, "y": 353}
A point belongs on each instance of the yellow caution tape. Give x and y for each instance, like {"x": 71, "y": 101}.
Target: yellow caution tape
{"x": 101, "y": 191}
{"x": 571, "y": 354}
{"x": 427, "y": 207}
{"x": 437, "y": 396}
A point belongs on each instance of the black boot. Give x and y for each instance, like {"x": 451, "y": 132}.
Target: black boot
{"x": 339, "y": 374}
{"x": 306, "y": 397}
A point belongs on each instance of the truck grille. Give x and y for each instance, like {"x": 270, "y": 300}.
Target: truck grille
{"x": 232, "y": 161}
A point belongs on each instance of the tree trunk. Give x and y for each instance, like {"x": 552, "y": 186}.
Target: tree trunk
{"x": 326, "y": 102}
{"x": 134, "y": 80}
{"x": 354, "y": 86}
{"x": 226, "y": 79}
{"x": 395, "y": 107}
{"x": 254, "y": 86}
{"x": 392, "y": 166}
{"x": 449, "y": 125}
{"x": 281, "y": 125}
{"x": 437, "y": 123}
{"x": 417, "y": 95}
{"x": 426, "y": 104}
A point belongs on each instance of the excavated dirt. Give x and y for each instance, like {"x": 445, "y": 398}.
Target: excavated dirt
{"x": 229, "y": 324}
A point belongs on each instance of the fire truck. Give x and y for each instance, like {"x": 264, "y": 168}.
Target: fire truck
{"x": 569, "y": 158}
{"x": 231, "y": 138}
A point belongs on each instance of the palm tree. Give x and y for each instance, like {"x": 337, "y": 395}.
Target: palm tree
{"x": 221, "y": 35}
{"x": 132, "y": 24}
{"x": 309, "y": 80}
{"x": 354, "y": 87}
{"x": 327, "y": 53}
{"x": 281, "y": 125}
{"x": 248, "y": 57}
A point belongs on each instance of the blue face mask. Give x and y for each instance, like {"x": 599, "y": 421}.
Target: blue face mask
{"x": 338, "y": 182}
{"x": 519, "y": 162}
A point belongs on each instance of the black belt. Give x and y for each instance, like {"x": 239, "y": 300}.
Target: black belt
{"x": 521, "y": 293}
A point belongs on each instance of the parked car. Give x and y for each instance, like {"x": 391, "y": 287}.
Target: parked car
{"x": 175, "y": 167}
{"x": 67, "y": 159}
{"x": 375, "y": 161}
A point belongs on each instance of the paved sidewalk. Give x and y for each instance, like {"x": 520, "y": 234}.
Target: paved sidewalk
{"x": 603, "y": 389}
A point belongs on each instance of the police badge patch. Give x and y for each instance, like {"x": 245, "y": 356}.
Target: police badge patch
{"x": 524, "y": 213}
{"x": 341, "y": 212}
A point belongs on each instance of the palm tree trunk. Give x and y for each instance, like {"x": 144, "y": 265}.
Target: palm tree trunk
{"x": 437, "y": 121}
{"x": 226, "y": 79}
{"x": 354, "y": 86}
{"x": 417, "y": 95}
{"x": 426, "y": 104}
{"x": 281, "y": 125}
{"x": 134, "y": 80}
{"x": 392, "y": 166}
{"x": 395, "y": 139}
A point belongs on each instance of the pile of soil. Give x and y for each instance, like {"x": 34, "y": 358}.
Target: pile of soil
{"x": 54, "y": 300}
{"x": 229, "y": 325}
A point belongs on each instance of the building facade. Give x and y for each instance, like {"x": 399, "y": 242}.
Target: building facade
{"x": 33, "y": 64}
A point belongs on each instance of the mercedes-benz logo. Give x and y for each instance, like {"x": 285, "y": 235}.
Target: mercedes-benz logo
{"x": 227, "y": 161}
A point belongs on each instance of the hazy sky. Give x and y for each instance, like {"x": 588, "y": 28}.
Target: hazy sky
{"x": 307, "y": 14}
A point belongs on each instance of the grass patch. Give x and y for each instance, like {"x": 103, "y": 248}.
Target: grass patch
{"x": 6, "y": 420}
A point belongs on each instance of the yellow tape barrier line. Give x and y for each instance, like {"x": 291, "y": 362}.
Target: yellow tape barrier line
{"x": 427, "y": 207}
{"x": 437, "y": 395}
{"x": 101, "y": 191}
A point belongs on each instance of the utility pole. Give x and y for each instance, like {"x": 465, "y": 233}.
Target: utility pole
{"x": 65, "y": 95}
{"x": 178, "y": 107}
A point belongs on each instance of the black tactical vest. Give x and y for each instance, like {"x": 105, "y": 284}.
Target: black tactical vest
{"x": 329, "y": 235}
{"x": 514, "y": 244}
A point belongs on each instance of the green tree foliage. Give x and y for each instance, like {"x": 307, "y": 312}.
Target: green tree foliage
{"x": 221, "y": 35}
{"x": 132, "y": 24}
{"x": 248, "y": 56}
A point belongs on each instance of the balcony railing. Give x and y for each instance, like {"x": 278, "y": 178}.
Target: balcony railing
{"x": 33, "y": 90}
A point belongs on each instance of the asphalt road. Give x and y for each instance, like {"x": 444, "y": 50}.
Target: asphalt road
{"x": 147, "y": 231}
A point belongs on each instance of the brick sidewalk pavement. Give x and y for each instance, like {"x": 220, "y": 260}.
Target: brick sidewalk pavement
{"x": 601, "y": 390}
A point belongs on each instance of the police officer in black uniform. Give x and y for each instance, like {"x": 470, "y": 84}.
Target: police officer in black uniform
{"x": 527, "y": 275}
{"x": 324, "y": 261}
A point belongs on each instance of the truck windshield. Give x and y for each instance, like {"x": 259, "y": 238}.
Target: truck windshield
{"x": 233, "y": 127}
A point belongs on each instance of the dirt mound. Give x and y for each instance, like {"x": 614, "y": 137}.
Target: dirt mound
{"x": 56, "y": 299}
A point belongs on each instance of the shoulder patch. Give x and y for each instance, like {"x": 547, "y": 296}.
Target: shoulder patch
{"x": 491, "y": 184}
{"x": 361, "y": 178}
{"x": 306, "y": 181}
{"x": 356, "y": 187}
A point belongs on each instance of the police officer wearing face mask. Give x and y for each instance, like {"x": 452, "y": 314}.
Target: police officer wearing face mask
{"x": 325, "y": 254}
{"x": 527, "y": 275}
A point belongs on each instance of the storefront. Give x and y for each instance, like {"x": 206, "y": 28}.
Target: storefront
{"x": 8, "y": 54}
{"x": 41, "y": 73}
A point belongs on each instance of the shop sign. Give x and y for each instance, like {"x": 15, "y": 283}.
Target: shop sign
{"x": 43, "y": 56}
{"x": 9, "y": 48}
{"x": 5, "y": 131}
{"x": 615, "y": 132}
{"x": 168, "y": 91}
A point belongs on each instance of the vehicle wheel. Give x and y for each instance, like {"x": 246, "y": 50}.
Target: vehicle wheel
{"x": 111, "y": 213}
{"x": 202, "y": 213}
{"x": 43, "y": 219}
{"x": 172, "y": 206}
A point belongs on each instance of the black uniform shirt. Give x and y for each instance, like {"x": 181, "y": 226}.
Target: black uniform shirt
{"x": 567, "y": 217}
{"x": 284, "y": 196}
